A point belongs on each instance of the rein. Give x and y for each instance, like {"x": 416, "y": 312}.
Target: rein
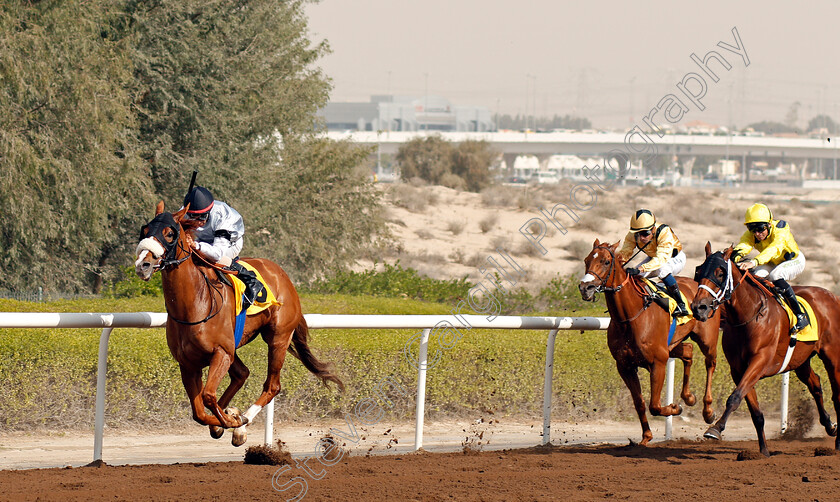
{"x": 603, "y": 288}
{"x": 728, "y": 287}
{"x": 170, "y": 261}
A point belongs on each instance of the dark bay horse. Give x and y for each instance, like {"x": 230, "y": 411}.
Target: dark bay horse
{"x": 638, "y": 336}
{"x": 200, "y": 324}
{"x": 756, "y": 338}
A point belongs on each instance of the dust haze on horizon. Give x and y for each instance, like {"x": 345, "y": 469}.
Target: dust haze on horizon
{"x": 608, "y": 61}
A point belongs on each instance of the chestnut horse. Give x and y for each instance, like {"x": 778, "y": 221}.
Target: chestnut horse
{"x": 638, "y": 336}
{"x": 756, "y": 337}
{"x": 200, "y": 324}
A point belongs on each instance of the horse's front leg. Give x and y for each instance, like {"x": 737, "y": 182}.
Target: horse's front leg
{"x": 685, "y": 353}
{"x": 192, "y": 384}
{"x": 631, "y": 379}
{"x": 219, "y": 365}
{"x": 746, "y": 383}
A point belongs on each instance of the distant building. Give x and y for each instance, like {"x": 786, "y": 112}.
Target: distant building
{"x": 406, "y": 113}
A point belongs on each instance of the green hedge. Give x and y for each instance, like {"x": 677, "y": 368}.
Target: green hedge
{"x": 49, "y": 374}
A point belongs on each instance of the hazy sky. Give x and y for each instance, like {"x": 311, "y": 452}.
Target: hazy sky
{"x": 605, "y": 60}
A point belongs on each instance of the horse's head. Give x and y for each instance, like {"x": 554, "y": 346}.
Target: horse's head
{"x": 600, "y": 265}
{"x": 159, "y": 242}
{"x": 716, "y": 279}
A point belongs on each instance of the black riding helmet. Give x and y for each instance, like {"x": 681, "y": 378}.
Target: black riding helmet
{"x": 200, "y": 200}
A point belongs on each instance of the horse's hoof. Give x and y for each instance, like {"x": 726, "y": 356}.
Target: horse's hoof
{"x": 690, "y": 400}
{"x": 216, "y": 432}
{"x": 710, "y": 418}
{"x": 240, "y": 435}
{"x": 712, "y": 433}
{"x": 831, "y": 430}
{"x": 679, "y": 408}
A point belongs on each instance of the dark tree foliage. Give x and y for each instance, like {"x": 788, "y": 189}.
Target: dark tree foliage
{"x": 771, "y": 127}
{"x": 427, "y": 158}
{"x": 109, "y": 105}
{"x": 471, "y": 160}
{"x": 435, "y": 160}
{"x": 71, "y": 186}
{"x": 822, "y": 122}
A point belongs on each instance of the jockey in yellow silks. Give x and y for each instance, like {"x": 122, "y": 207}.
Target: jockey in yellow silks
{"x": 665, "y": 256}
{"x": 779, "y": 258}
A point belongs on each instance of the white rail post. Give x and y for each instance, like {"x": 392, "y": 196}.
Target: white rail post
{"x": 549, "y": 375}
{"x": 269, "y": 423}
{"x": 669, "y": 396}
{"x": 101, "y": 373}
{"x": 421, "y": 389}
{"x": 784, "y": 410}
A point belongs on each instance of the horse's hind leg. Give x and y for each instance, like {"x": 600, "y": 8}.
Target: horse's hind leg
{"x": 238, "y": 375}
{"x": 811, "y": 380}
{"x": 631, "y": 380}
{"x": 657, "y": 381}
{"x": 277, "y": 346}
{"x": 758, "y": 420}
{"x": 685, "y": 353}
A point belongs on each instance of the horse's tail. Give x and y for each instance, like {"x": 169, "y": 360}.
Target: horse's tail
{"x": 301, "y": 351}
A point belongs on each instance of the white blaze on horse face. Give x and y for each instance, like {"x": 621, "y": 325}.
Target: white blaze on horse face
{"x": 588, "y": 278}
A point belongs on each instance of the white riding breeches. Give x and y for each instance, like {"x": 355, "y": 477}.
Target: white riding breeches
{"x": 787, "y": 270}
{"x": 673, "y": 266}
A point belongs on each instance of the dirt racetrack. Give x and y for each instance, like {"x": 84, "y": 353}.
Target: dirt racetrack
{"x": 683, "y": 469}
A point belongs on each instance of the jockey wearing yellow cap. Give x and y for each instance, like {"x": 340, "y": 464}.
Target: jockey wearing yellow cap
{"x": 779, "y": 258}
{"x": 664, "y": 252}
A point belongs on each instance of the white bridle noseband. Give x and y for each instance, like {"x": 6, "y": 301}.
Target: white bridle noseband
{"x": 728, "y": 286}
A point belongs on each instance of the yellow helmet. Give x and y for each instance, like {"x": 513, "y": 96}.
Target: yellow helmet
{"x": 642, "y": 220}
{"x": 758, "y": 213}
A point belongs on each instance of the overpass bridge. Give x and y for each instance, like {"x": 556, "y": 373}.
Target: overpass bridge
{"x": 576, "y": 143}
{"x": 597, "y": 144}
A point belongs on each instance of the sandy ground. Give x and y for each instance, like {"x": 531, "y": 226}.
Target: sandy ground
{"x": 449, "y": 234}
{"x": 193, "y": 443}
{"x": 683, "y": 468}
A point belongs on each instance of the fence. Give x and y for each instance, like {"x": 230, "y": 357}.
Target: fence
{"x": 326, "y": 321}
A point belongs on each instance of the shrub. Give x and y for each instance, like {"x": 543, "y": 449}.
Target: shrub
{"x": 488, "y": 223}
{"x": 393, "y": 281}
{"x": 132, "y": 286}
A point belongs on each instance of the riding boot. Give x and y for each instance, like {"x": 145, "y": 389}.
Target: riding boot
{"x": 254, "y": 290}
{"x": 674, "y": 291}
{"x": 787, "y": 293}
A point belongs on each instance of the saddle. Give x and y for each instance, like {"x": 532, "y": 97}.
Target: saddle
{"x": 656, "y": 292}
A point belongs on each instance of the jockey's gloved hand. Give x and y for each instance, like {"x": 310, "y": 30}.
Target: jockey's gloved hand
{"x": 631, "y": 271}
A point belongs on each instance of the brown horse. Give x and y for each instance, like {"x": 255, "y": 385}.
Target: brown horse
{"x": 756, "y": 337}
{"x": 638, "y": 336}
{"x": 200, "y": 324}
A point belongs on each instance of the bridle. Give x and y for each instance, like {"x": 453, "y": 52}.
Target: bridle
{"x": 726, "y": 287}
{"x": 603, "y": 288}
{"x": 154, "y": 230}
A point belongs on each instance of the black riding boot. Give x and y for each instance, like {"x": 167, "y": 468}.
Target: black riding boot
{"x": 254, "y": 290}
{"x": 674, "y": 291}
{"x": 787, "y": 293}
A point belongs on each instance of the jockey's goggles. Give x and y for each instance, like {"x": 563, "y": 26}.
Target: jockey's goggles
{"x": 199, "y": 216}
{"x": 643, "y": 233}
{"x": 757, "y": 227}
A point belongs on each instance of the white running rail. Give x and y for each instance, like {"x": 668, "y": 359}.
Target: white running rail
{"x": 109, "y": 321}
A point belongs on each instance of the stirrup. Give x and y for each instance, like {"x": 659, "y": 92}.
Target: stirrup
{"x": 801, "y": 322}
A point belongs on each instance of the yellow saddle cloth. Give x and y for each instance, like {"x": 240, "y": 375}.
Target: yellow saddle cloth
{"x": 672, "y": 304}
{"x": 809, "y": 333}
{"x": 239, "y": 288}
